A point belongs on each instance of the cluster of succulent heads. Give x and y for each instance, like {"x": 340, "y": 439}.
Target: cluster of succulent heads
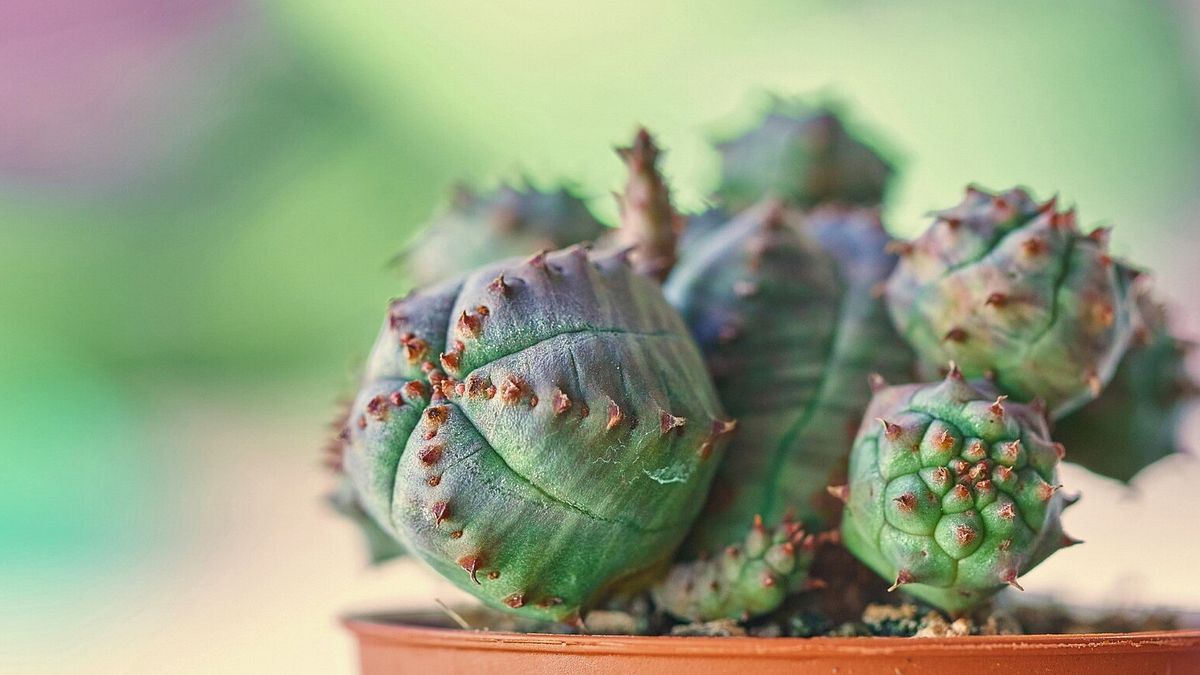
{"x": 695, "y": 408}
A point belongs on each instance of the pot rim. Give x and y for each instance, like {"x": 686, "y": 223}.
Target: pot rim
{"x": 392, "y": 627}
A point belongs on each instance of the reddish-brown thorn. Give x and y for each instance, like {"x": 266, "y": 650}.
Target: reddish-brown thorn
{"x": 944, "y": 440}
{"x": 614, "y": 415}
{"x": 997, "y": 407}
{"x": 841, "y": 492}
{"x": 471, "y": 563}
{"x": 996, "y": 299}
{"x": 440, "y": 511}
{"x": 955, "y": 335}
{"x": 538, "y": 261}
{"x": 499, "y": 286}
{"x": 430, "y": 454}
{"x": 510, "y": 390}
{"x": 668, "y": 422}
{"x": 377, "y": 407}
{"x": 560, "y": 401}
{"x": 891, "y": 430}
{"x": 414, "y": 389}
{"x": 954, "y": 373}
{"x": 469, "y": 325}
{"x": 1007, "y": 511}
{"x": 722, "y": 427}
{"x": 903, "y": 577}
{"x": 1009, "y": 576}
{"x": 450, "y": 361}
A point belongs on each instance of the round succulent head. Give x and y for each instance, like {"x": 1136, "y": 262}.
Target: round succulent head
{"x": 480, "y": 228}
{"x": 802, "y": 155}
{"x": 953, "y": 491}
{"x": 1011, "y": 290}
{"x": 541, "y": 433}
{"x": 1135, "y": 422}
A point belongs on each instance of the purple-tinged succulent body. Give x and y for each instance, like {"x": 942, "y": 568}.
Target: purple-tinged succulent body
{"x": 541, "y": 433}
{"x": 1011, "y": 290}
{"x": 787, "y": 315}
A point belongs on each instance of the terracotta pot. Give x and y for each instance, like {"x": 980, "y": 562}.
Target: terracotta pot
{"x": 409, "y": 643}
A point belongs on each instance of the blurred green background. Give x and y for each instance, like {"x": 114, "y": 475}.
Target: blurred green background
{"x": 198, "y": 199}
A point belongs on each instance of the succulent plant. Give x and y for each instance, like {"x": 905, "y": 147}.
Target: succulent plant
{"x": 542, "y": 433}
{"x": 804, "y": 156}
{"x": 1135, "y": 422}
{"x": 785, "y": 313}
{"x": 1011, "y": 290}
{"x": 480, "y": 228}
{"x": 953, "y": 491}
{"x": 746, "y": 579}
{"x": 550, "y": 433}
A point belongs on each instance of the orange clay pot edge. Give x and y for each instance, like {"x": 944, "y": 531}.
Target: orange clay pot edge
{"x": 370, "y": 630}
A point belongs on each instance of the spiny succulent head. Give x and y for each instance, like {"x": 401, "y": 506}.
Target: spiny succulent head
{"x": 477, "y": 228}
{"x": 1011, "y": 290}
{"x": 540, "y": 432}
{"x": 953, "y": 491}
{"x": 804, "y": 156}
{"x": 745, "y": 579}
{"x": 785, "y": 311}
{"x": 1135, "y": 422}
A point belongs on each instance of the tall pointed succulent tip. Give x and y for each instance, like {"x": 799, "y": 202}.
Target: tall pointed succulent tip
{"x": 956, "y": 496}
{"x": 649, "y": 223}
{"x": 1011, "y": 289}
